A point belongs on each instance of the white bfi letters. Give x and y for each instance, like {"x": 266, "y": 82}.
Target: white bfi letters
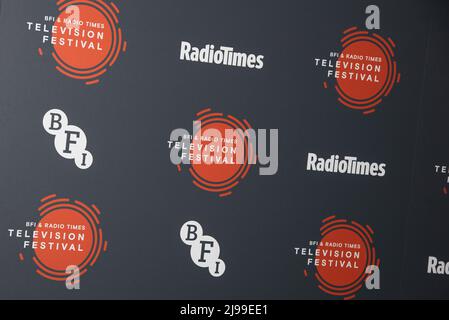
{"x": 205, "y": 250}
{"x": 70, "y": 141}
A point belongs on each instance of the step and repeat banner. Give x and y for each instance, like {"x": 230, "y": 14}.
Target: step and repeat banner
{"x": 167, "y": 149}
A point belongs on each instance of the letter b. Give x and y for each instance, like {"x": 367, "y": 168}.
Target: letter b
{"x": 190, "y": 232}
{"x": 54, "y": 121}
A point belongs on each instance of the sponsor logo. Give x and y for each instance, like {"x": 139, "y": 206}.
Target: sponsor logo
{"x": 435, "y": 266}
{"x": 345, "y": 165}
{"x": 220, "y": 55}
{"x": 70, "y": 141}
{"x": 343, "y": 260}
{"x": 84, "y": 39}
{"x": 363, "y": 70}
{"x": 204, "y": 250}
{"x": 221, "y": 150}
{"x": 65, "y": 240}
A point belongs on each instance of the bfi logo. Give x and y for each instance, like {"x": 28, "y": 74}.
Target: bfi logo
{"x": 70, "y": 141}
{"x": 205, "y": 250}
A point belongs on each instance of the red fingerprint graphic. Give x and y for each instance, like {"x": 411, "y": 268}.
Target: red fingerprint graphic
{"x": 366, "y": 70}
{"x": 86, "y": 38}
{"x": 221, "y": 152}
{"x": 68, "y": 234}
{"x": 345, "y": 251}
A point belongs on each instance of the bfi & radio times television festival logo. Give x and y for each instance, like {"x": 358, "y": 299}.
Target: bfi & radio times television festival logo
{"x": 363, "y": 70}
{"x": 343, "y": 260}
{"x": 63, "y": 242}
{"x": 84, "y": 38}
{"x": 442, "y": 170}
{"x": 220, "y": 150}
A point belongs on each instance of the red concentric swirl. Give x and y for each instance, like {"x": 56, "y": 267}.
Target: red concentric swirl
{"x": 217, "y": 177}
{"x": 99, "y": 19}
{"x": 53, "y": 212}
{"x": 357, "y": 93}
{"x": 358, "y": 250}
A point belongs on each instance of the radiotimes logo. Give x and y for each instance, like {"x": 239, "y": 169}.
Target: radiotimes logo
{"x": 220, "y": 55}
{"x": 64, "y": 241}
{"x": 84, "y": 39}
{"x": 363, "y": 71}
{"x": 345, "y": 165}
{"x": 343, "y": 260}
{"x": 437, "y": 266}
{"x": 221, "y": 150}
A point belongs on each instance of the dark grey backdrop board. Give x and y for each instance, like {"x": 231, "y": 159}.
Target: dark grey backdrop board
{"x": 128, "y": 118}
{"x": 427, "y": 221}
